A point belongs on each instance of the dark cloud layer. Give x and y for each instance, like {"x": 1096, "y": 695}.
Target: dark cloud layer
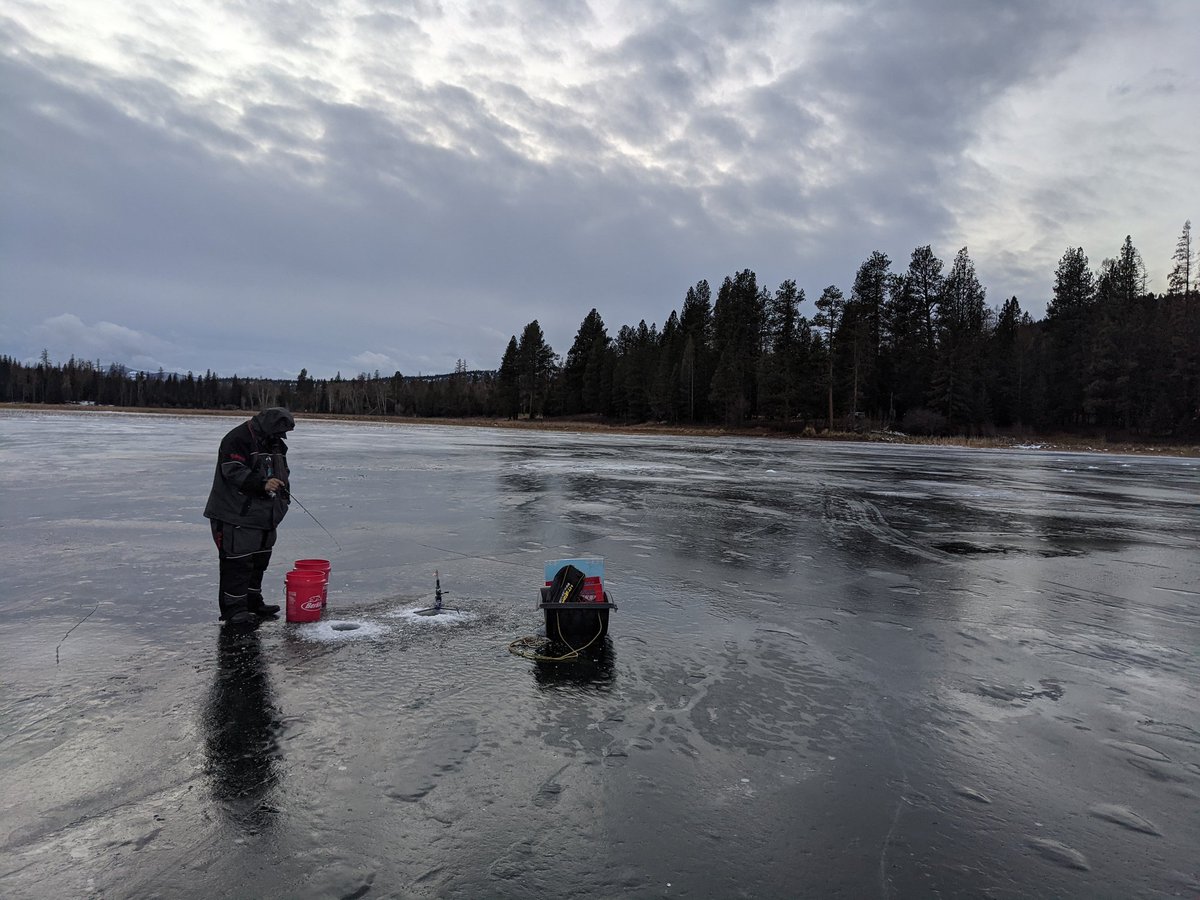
{"x": 407, "y": 186}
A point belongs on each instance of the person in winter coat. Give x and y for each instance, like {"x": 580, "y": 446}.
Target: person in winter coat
{"x": 248, "y": 500}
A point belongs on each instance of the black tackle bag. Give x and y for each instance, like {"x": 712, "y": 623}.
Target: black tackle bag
{"x": 567, "y": 586}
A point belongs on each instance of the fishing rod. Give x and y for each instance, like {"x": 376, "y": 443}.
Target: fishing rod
{"x": 288, "y": 490}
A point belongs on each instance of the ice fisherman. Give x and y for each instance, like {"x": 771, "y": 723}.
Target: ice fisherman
{"x": 248, "y": 500}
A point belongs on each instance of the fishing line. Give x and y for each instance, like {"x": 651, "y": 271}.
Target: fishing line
{"x": 458, "y": 553}
{"x": 310, "y": 515}
{"x": 72, "y": 628}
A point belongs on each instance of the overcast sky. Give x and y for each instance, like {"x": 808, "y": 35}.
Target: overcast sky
{"x": 257, "y": 186}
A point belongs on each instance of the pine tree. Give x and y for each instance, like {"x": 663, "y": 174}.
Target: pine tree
{"x": 1109, "y": 390}
{"x": 666, "y": 396}
{"x": 597, "y": 377}
{"x": 633, "y": 370}
{"x": 687, "y": 375}
{"x": 696, "y": 365}
{"x": 1068, "y": 318}
{"x": 508, "y": 381}
{"x": 779, "y": 381}
{"x": 1005, "y": 385}
{"x": 926, "y": 282}
{"x": 866, "y": 310}
{"x": 591, "y": 337}
{"x": 1182, "y": 340}
{"x": 1180, "y": 279}
{"x": 830, "y": 308}
{"x": 909, "y": 361}
{"x": 535, "y": 365}
{"x": 959, "y": 386}
{"x": 738, "y": 318}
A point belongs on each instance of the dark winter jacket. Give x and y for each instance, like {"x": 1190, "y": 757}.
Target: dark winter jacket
{"x": 249, "y": 455}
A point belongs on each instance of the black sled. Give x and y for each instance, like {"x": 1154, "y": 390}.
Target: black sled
{"x": 572, "y": 617}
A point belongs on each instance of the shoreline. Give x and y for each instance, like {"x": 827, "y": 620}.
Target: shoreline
{"x": 1049, "y": 443}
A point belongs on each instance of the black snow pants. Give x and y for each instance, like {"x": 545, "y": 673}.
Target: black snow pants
{"x": 244, "y": 554}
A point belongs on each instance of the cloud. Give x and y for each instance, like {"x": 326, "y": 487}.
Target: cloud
{"x": 370, "y": 361}
{"x": 67, "y": 335}
{"x": 274, "y": 186}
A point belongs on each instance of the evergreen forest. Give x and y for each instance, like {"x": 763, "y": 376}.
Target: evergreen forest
{"x": 914, "y": 348}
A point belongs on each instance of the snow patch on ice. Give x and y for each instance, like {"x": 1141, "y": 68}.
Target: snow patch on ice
{"x": 447, "y": 616}
{"x": 340, "y": 630}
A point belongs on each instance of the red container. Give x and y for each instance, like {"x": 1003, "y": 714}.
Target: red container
{"x": 304, "y": 588}
{"x": 317, "y": 565}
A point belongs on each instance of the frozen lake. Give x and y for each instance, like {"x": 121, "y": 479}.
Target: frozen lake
{"x": 837, "y": 670}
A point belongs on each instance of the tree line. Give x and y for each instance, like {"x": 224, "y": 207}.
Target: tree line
{"x": 461, "y": 393}
{"x": 915, "y": 349}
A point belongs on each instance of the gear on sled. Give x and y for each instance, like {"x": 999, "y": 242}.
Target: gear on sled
{"x": 574, "y": 601}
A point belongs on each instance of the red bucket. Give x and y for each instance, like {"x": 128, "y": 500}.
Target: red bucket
{"x": 304, "y": 589}
{"x": 317, "y": 565}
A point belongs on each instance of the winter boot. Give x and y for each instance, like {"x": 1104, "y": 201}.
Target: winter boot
{"x": 260, "y": 608}
{"x": 234, "y": 612}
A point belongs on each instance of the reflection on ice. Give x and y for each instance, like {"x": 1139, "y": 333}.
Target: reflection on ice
{"x": 593, "y": 669}
{"x": 241, "y": 726}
